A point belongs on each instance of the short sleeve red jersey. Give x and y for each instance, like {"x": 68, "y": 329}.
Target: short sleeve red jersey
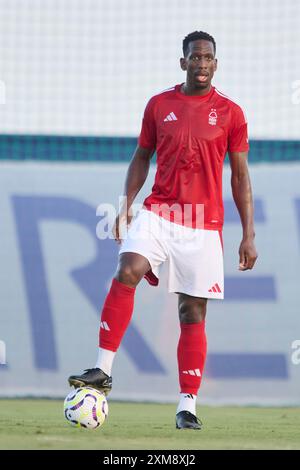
{"x": 191, "y": 135}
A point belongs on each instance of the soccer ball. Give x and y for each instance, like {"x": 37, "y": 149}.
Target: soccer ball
{"x": 86, "y": 407}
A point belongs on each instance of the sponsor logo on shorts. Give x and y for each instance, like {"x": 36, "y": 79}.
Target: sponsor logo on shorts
{"x": 215, "y": 288}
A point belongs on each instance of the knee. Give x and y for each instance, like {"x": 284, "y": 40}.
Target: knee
{"x": 192, "y": 311}
{"x": 128, "y": 275}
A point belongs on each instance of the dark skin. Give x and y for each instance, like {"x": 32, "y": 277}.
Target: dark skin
{"x": 200, "y": 65}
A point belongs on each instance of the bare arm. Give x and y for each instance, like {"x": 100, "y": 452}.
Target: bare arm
{"x": 137, "y": 173}
{"x": 135, "y": 178}
{"x": 242, "y": 195}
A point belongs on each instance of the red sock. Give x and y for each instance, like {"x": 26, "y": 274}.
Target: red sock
{"x": 191, "y": 354}
{"x": 116, "y": 314}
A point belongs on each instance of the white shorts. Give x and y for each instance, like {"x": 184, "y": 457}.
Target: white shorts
{"x": 195, "y": 256}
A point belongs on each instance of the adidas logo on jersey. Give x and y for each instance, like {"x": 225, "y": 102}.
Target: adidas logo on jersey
{"x": 170, "y": 117}
{"x": 215, "y": 288}
{"x": 192, "y": 372}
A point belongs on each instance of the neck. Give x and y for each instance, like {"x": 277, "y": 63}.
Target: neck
{"x": 190, "y": 90}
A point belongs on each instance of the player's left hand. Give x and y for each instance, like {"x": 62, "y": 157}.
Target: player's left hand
{"x": 248, "y": 254}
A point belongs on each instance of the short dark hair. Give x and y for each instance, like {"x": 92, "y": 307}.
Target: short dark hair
{"x": 195, "y": 36}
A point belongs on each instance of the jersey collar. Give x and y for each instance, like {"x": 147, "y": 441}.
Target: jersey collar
{"x": 202, "y": 98}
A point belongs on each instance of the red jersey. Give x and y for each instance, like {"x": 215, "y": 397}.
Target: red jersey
{"x": 191, "y": 135}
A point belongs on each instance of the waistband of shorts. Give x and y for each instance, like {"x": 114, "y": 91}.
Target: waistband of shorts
{"x": 215, "y": 227}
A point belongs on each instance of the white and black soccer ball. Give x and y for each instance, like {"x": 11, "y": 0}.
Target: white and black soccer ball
{"x": 86, "y": 407}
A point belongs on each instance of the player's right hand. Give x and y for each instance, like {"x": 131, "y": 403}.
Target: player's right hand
{"x": 121, "y": 224}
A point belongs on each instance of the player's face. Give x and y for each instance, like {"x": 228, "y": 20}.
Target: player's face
{"x": 200, "y": 64}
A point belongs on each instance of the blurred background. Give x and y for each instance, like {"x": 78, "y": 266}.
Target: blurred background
{"x": 75, "y": 77}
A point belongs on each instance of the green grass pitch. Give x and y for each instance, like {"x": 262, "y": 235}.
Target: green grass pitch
{"x": 40, "y": 424}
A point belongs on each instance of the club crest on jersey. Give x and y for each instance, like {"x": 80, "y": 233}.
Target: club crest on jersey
{"x": 212, "y": 117}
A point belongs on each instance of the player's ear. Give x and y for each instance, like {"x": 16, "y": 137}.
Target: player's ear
{"x": 216, "y": 65}
{"x": 183, "y": 64}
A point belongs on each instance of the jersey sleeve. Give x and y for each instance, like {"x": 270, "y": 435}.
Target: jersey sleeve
{"x": 238, "y": 132}
{"x": 147, "y": 138}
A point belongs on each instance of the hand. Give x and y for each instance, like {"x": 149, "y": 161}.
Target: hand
{"x": 121, "y": 221}
{"x": 248, "y": 254}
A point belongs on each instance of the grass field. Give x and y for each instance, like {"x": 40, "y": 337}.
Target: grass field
{"x": 40, "y": 424}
